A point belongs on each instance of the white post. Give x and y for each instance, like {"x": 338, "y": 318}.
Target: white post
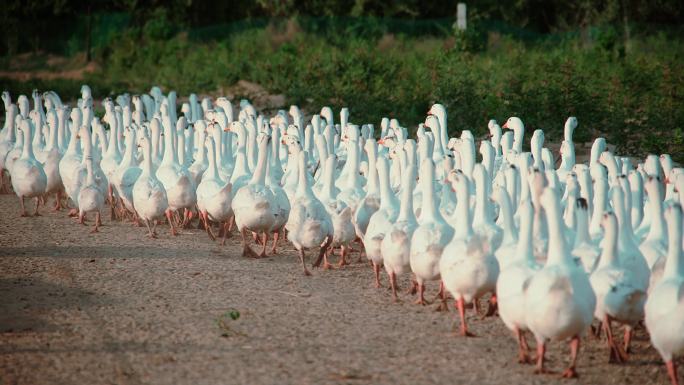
{"x": 461, "y": 16}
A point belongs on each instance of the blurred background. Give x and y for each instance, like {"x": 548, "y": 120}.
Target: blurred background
{"x": 615, "y": 64}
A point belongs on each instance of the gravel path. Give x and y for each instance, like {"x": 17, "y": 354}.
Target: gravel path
{"x": 116, "y": 307}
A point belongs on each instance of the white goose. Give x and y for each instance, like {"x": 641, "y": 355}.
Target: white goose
{"x": 28, "y": 177}
{"x": 559, "y": 299}
{"x": 371, "y": 202}
{"x": 214, "y": 195}
{"x": 309, "y": 225}
{"x": 617, "y": 297}
{"x": 396, "y": 246}
{"x": 340, "y": 214}
{"x": 127, "y": 172}
{"x": 665, "y": 304}
{"x": 281, "y": 203}
{"x": 149, "y": 196}
{"x": 514, "y": 279}
{"x": 90, "y": 197}
{"x": 431, "y": 235}
{"x": 381, "y": 220}
{"x": 53, "y": 156}
{"x": 467, "y": 266}
{"x": 253, "y": 204}
{"x": 177, "y": 180}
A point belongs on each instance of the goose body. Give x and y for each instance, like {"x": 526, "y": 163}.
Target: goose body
{"x": 253, "y": 203}
{"x": 90, "y": 196}
{"x": 149, "y": 195}
{"x": 559, "y": 299}
{"x": 431, "y": 236}
{"x": 28, "y": 176}
{"x": 467, "y": 267}
{"x": 381, "y": 220}
{"x": 309, "y": 225}
{"x": 127, "y": 173}
{"x": 618, "y": 298}
{"x": 514, "y": 279}
{"x": 396, "y": 245}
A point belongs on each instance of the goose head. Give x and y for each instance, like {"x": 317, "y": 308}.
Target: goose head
{"x": 86, "y": 93}
{"x": 514, "y": 123}
{"x": 667, "y": 165}
{"x": 23, "y": 104}
{"x": 569, "y": 128}
{"x": 6, "y": 99}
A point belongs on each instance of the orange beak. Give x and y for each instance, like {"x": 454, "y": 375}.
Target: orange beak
{"x": 505, "y": 125}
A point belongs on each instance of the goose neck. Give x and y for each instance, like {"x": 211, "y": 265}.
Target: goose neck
{"x": 429, "y": 212}
{"x": 609, "y": 253}
{"x": 524, "y": 250}
{"x": 27, "y": 151}
{"x": 212, "y": 170}
{"x": 461, "y": 219}
{"x": 582, "y": 226}
{"x": 170, "y": 156}
{"x": 259, "y": 176}
{"x": 303, "y": 188}
{"x": 509, "y": 234}
{"x": 557, "y": 250}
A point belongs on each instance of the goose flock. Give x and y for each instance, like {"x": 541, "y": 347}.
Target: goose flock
{"x": 556, "y": 250}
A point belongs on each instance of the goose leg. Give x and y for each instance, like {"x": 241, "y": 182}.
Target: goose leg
{"x": 672, "y": 371}
{"x": 35, "y": 213}
{"x": 150, "y": 233}
{"x": 225, "y": 233}
{"x": 246, "y": 250}
{"x": 188, "y": 219}
{"x": 616, "y": 353}
{"x": 393, "y": 284}
{"x": 343, "y": 259}
{"x": 97, "y": 222}
{"x": 442, "y": 297}
{"x": 264, "y": 243}
{"x": 421, "y": 294}
{"x": 629, "y": 332}
{"x": 231, "y": 223}
{"x": 376, "y": 271}
{"x": 204, "y": 216}
{"x": 574, "y": 349}
{"x": 169, "y": 217}
{"x": 460, "y": 304}
{"x": 301, "y": 259}
{"x": 276, "y": 235}
{"x": 58, "y": 201}
{"x": 112, "y": 202}
{"x": 523, "y": 349}
{"x": 324, "y": 247}
{"x": 541, "y": 353}
{"x": 23, "y": 208}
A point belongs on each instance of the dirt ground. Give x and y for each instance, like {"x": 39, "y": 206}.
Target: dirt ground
{"x": 119, "y": 308}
